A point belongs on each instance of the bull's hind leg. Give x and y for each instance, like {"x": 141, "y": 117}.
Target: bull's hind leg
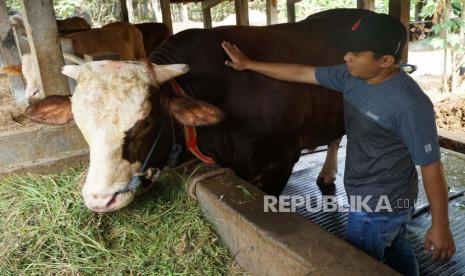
{"x": 327, "y": 176}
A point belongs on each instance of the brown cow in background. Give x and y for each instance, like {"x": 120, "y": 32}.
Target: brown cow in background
{"x": 154, "y": 34}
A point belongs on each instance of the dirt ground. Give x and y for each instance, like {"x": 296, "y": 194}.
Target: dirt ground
{"x": 449, "y": 107}
{"x": 11, "y": 116}
{"x": 450, "y": 114}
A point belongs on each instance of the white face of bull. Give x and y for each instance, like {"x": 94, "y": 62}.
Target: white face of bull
{"x": 110, "y": 97}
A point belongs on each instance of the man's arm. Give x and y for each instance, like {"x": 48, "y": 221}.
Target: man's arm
{"x": 439, "y": 237}
{"x": 280, "y": 71}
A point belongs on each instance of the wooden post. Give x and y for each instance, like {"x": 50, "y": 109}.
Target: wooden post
{"x": 366, "y": 4}
{"x": 400, "y": 9}
{"x": 124, "y": 11}
{"x": 166, "y": 14}
{"x": 242, "y": 12}
{"x": 207, "y": 5}
{"x": 130, "y": 10}
{"x": 42, "y": 32}
{"x": 290, "y": 4}
{"x": 207, "y": 18}
{"x": 271, "y": 12}
{"x": 9, "y": 54}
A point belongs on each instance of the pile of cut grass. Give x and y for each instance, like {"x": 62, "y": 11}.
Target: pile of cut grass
{"x": 46, "y": 229}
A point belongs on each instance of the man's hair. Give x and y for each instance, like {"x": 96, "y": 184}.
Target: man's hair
{"x": 396, "y": 61}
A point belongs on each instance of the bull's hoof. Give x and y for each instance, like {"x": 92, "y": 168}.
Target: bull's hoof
{"x": 326, "y": 188}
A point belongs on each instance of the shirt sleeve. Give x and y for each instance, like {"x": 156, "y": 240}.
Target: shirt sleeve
{"x": 333, "y": 77}
{"x": 417, "y": 128}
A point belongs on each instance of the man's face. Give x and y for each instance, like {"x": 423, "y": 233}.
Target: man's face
{"x": 363, "y": 64}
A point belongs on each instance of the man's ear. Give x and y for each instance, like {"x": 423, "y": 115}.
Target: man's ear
{"x": 11, "y": 70}
{"x": 192, "y": 112}
{"x": 53, "y": 110}
{"x": 387, "y": 60}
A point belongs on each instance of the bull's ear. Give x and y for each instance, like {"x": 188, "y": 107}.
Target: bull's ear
{"x": 11, "y": 70}
{"x": 412, "y": 30}
{"x": 54, "y": 110}
{"x": 71, "y": 71}
{"x": 427, "y": 30}
{"x": 166, "y": 72}
{"x": 192, "y": 112}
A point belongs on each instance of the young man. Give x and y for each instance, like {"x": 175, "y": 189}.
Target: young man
{"x": 390, "y": 126}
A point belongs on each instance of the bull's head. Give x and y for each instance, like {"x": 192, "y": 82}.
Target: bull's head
{"x": 114, "y": 107}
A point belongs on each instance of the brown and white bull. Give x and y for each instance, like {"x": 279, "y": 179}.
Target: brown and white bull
{"x": 253, "y": 124}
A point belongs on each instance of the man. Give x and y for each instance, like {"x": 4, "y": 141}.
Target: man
{"x": 390, "y": 126}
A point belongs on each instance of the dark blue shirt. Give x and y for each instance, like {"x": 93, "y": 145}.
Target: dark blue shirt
{"x": 390, "y": 127}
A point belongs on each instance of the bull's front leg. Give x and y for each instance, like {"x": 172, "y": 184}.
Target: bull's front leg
{"x": 328, "y": 172}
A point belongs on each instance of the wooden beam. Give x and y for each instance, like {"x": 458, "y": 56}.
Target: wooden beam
{"x": 400, "y": 9}
{"x": 10, "y": 54}
{"x": 366, "y": 4}
{"x": 42, "y": 32}
{"x": 242, "y": 12}
{"x": 271, "y": 12}
{"x": 124, "y": 11}
{"x": 166, "y": 14}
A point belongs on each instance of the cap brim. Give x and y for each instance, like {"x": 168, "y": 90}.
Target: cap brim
{"x": 346, "y": 41}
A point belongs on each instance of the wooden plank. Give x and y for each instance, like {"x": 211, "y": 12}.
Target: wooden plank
{"x": 366, "y": 4}
{"x": 124, "y": 11}
{"x": 207, "y": 18}
{"x": 242, "y": 12}
{"x": 10, "y": 54}
{"x": 42, "y": 32}
{"x": 166, "y": 14}
{"x": 400, "y": 9}
{"x": 271, "y": 12}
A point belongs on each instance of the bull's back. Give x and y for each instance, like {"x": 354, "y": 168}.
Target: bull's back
{"x": 255, "y": 101}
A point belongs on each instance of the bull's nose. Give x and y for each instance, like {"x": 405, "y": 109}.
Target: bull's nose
{"x": 106, "y": 203}
{"x": 99, "y": 202}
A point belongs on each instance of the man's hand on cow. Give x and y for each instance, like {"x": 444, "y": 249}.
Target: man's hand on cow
{"x": 238, "y": 60}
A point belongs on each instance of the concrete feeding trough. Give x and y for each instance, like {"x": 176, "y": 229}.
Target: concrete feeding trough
{"x": 269, "y": 243}
{"x": 45, "y": 150}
